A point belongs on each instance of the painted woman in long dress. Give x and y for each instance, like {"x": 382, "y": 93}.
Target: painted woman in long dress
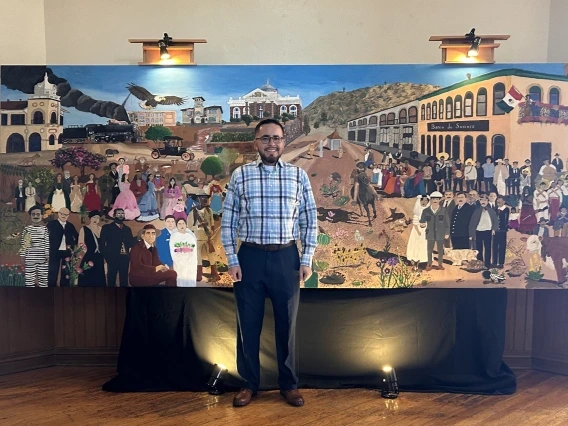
{"x": 417, "y": 248}
{"x": 171, "y": 195}
{"x": 92, "y": 200}
{"x": 30, "y": 196}
{"x": 76, "y": 195}
{"x": 126, "y": 201}
{"x": 148, "y": 203}
{"x": 183, "y": 247}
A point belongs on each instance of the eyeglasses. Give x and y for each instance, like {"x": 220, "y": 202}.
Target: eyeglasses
{"x": 266, "y": 139}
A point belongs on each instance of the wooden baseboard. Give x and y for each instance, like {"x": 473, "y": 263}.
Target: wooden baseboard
{"x": 25, "y": 361}
{"x": 550, "y": 364}
{"x": 518, "y": 361}
{"x": 91, "y": 357}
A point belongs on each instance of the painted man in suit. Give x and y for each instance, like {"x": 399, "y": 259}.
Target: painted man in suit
{"x": 20, "y": 196}
{"x": 115, "y": 179}
{"x": 436, "y": 220}
{"x": 115, "y": 244}
{"x": 482, "y": 226}
{"x": 459, "y": 223}
{"x": 146, "y": 269}
{"x": 500, "y": 237}
{"x": 557, "y": 162}
{"x": 62, "y": 237}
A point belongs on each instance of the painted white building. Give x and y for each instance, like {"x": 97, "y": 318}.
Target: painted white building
{"x": 396, "y": 127}
{"x": 152, "y": 118}
{"x": 263, "y": 102}
{"x": 201, "y": 114}
{"x": 34, "y": 124}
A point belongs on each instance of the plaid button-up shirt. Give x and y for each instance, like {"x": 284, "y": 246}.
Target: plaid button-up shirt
{"x": 267, "y": 206}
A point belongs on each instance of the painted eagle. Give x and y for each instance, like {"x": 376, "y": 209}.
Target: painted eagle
{"x": 151, "y": 100}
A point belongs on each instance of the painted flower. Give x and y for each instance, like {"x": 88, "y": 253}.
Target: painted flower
{"x": 90, "y": 263}
{"x": 387, "y": 271}
{"x": 67, "y": 259}
{"x": 66, "y": 277}
{"x": 393, "y": 261}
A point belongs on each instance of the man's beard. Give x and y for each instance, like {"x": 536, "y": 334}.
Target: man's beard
{"x": 270, "y": 160}
{"x": 119, "y": 219}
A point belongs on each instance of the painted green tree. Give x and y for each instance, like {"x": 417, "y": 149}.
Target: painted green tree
{"x": 228, "y": 156}
{"x": 211, "y": 166}
{"x": 43, "y": 179}
{"x": 157, "y": 133}
{"x": 307, "y": 128}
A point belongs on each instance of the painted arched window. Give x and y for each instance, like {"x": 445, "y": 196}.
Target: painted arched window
{"x": 481, "y": 148}
{"x": 498, "y": 146}
{"x": 440, "y": 143}
{"x": 441, "y": 109}
{"x": 38, "y": 118}
{"x": 373, "y": 120}
{"x": 360, "y": 122}
{"x": 448, "y": 145}
{"x": 383, "y": 120}
{"x": 428, "y": 145}
{"x": 449, "y": 108}
{"x": 535, "y": 92}
{"x": 458, "y": 106}
{"x": 402, "y": 116}
{"x": 498, "y": 95}
{"x": 413, "y": 115}
{"x": 423, "y": 144}
{"x": 283, "y": 109}
{"x": 236, "y": 112}
{"x": 481, "y": 102}
{"x": 51, "y": 139}
{"x": 456, "y": 147}
{"x": 468, "y": 105}
{"x": 554, "y": 96}
{"x": 364, "y": 122}
{"x": 467, "y": 147}
{"x": 434, "y": 110}
{"x": 428, "y": 111}
{"x": 423, "y": 112}
{"x": 390, "y": 118}
{"x": 293, "y": 110}
{"x": 53, "y": 118}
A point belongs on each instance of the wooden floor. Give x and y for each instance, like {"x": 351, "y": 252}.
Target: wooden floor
{"x": 70, "y": 395}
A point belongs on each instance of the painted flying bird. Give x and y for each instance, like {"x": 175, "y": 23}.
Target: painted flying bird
{"x": 151, "y": 100}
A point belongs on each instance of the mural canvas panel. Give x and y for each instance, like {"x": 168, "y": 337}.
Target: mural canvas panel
{"x": 375, "y": 141}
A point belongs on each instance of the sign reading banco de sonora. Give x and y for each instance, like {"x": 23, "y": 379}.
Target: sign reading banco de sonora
{"x": 459, "y": 126}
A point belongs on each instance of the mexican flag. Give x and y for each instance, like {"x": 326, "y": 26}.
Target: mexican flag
{"x": 511, "y": 100}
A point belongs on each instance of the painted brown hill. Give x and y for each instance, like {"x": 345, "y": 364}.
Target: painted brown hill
{"x": 343, "y": 106}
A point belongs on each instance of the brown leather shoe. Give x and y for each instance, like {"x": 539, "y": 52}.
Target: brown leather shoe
{"x": 428, "y": 268}
{"x": 243, "y": 398}
{"x": 293, "y": 397}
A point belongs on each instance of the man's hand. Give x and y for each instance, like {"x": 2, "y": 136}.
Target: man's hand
{"x": 160, "y": 268}
{"x": 305, "y": 272}
{"x": 447, "y": 237}
{"x": 235, "y": 273}
{"x": 423, "y": 225}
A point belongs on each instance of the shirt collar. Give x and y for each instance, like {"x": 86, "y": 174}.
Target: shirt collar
{"x": 146, "y": 244}
{"x": 259, "y": 162}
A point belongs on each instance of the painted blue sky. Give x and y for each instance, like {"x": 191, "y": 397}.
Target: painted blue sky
{"x": 216, "y": 83}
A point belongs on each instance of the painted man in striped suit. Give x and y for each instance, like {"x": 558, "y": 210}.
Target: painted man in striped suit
{"x": 35, "y": 249}
{"x": 269, "y": 207}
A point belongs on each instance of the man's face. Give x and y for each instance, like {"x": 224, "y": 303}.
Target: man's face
{"x": 449, "y": 195}
{"x": 435, "y": 201}
{"x": 119, "y": 215}
{"x": 500, "y": 202}
{"x": 492, "y": 197}
{"x": 149, "y": 236}
{"x": 170, "y": 223}
{"x": 20, "y": 182}
{"x": 36, "y": 216}
{"x": 268, "y": 148}
{"x": 506, "y": 162}
{"x": 63, "y": 215}
{"x": 483, "y": 201}
{"x": 113, "y": 167}
{"x": 473, "y": 196}
{"x": 515, "y": 164}
{"x": 563, "y": 211}
{"x": 488, "y": 160}
{"x": 460, "y": 199}
{"x": 67, "y": 174}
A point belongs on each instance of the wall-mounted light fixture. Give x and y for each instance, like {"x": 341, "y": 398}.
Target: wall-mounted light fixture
{"x": 470, "y": 48}
{"x": 167, "y": 51}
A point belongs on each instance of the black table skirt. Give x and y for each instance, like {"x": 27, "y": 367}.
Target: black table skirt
{"x": 439, "y": 340}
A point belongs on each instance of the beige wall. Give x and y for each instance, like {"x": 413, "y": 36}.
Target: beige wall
{"x": 276, "y": 31}
{"x": 22, "y": 32}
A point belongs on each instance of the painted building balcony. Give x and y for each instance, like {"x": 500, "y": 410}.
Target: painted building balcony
{"x": 537, "y": 112}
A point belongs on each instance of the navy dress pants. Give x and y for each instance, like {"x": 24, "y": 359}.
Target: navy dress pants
{"x": 274, "y": 274}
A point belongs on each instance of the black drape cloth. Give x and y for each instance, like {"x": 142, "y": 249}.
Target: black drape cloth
{"x": 439, "y": 340}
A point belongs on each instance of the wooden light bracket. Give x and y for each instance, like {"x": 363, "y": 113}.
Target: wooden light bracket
{"x": 181, "y": 51}
{"x": 455, "y": 49}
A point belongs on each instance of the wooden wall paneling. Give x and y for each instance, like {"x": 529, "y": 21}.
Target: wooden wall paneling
{"x": 5, "y": 322}
{"x": 519, "y": 328}
{"x": 550, "y": 342}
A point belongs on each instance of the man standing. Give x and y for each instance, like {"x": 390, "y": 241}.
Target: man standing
{"x": 557, "y": 162}
{"x": 20, "y": 196}
{"x": 515, "y": 179}
{"x": 398, "y": 156}
{"x": 500, "y": 237}
{"x": 115, "y": 243}
{"x": 105, "y": 183}
{"x": 163, "y": 241}
{"x": 459, "y": 224}
{"x": 482, "y": 227}
{"x": 270, "y": 206}
{"x": 62, "y": 237}
{"x": 35, "y": 249}
{"x": 115, "y": 178}
{"x": 436, "y": 220}
{"x": 146, "y": 269}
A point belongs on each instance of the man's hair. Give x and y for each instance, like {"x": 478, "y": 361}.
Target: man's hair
{"x": 119, "y": 209}
{"x": 268, "y": 121}
{"x": 35, "y": 207}
{"x": 461, "y": 193}
{"x": 170, "y": 216}
{"x": 180, "y": 219}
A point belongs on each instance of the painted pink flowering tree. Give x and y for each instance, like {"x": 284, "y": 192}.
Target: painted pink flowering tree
{"x": 78, "y": 157}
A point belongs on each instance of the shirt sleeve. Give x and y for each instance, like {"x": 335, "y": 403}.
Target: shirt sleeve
{"x": 307, "y": 221}
{"x": 230, "y": 221}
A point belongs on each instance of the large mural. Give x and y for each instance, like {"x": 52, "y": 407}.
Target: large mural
{"x": 424, "y": 175}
